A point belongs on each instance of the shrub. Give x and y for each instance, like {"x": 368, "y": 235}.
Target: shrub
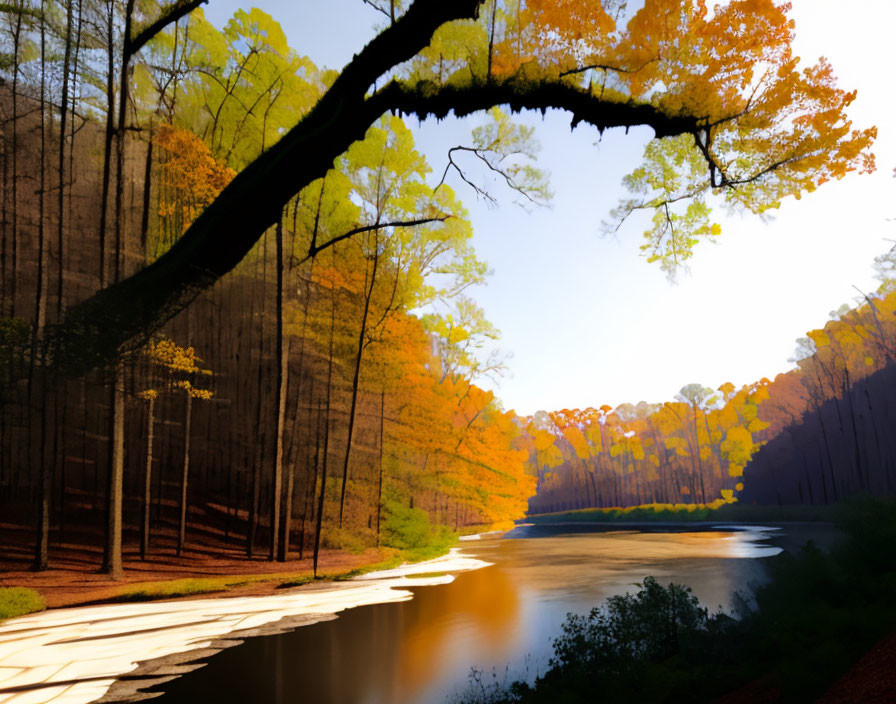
{"x": 18, "y": 601}
{"x": 343, "y": 539}
{"x": 410, "y": 530}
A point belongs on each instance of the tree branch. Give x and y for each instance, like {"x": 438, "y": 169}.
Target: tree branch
{"x": 427, "y": 99}
{"x": 119, "y": 318}
{"x": 608, "y": 67}
{"x": 171, "y": 14}
{"x": 379, "y": 9}
{"x": 314, "y": 250}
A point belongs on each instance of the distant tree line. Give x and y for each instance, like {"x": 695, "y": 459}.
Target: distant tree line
{"x": 688, "y": 451}
{"x": 817, "y": 434}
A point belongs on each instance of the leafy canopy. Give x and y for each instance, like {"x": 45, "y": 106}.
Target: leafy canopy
{"x": 764, "y": 127}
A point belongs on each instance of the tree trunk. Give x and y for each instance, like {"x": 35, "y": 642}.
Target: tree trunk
{"x": 379, "y": 494}
{"x": 40, "y": 318}
{"x": 323, "y": 479}
{"x": 182, "y": 530}
{"x": 281, "y": 349}
{"x": 109, "y": 135}
{"x": 147, "y": 478}
{"x": 256, "y": 470}
{"x": 368, "y": 294}
{"x": 115, "y": 481}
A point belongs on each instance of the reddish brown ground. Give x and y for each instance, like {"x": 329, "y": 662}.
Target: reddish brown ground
{"x": 872, "y": 680}
{"x": 76, "y": 557}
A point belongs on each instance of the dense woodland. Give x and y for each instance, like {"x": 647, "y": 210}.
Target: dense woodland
{"x": 298, "y": 400}
{"x": 235, "y": 297}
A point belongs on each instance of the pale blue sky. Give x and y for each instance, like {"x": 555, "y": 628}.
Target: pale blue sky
{"x": 586, "y": 319}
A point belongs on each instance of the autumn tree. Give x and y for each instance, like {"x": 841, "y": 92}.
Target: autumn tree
{"x": 752, "y": 137}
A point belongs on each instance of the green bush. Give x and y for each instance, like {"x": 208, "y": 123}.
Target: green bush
{"x": 18, "y": 601}
{"x": 343, "y": 539}
{"x": 410, "y": 530}
{"x": 404, "y": 527}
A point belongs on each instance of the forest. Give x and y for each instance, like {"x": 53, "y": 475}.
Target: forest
{"x": 309, "y": 379}
{"x": 817, "y": 434}
{"x": 296, "y": 404}
{"x": 242, "y": 349}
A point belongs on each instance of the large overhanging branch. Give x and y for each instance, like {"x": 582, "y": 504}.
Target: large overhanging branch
{"x": 427, "y": 99}
{"x": 121, "y": 317}
{"x": 171, "y": 14}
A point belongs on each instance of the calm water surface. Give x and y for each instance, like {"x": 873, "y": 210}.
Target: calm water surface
{"x": 500, "y": 618}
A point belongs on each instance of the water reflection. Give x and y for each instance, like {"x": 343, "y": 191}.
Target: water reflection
{"x": 501, "y": 616}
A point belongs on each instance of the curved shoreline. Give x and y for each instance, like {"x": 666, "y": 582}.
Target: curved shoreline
{"x": 113, "y": 652}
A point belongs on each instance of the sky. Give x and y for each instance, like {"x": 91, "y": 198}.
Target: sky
{"x": 586, "y": 319}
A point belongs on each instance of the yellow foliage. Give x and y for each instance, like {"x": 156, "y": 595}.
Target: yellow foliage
{"x": 193, "y": 178}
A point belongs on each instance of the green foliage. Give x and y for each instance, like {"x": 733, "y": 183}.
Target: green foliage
{"x": 409, "y": 530}
{"x": 18, "y": 601}
{"x": 691, "y": 513}
{"x": 405, "y": 528}
{"x": 465, "y": 338}
{"x": 172, "y": 589}
{"x": 337, "y": 538}
{"x": 651, "y": 625}
{"x": 654, "y": 645}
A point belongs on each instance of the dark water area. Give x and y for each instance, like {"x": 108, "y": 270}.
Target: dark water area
{"x": 501, "y": 618}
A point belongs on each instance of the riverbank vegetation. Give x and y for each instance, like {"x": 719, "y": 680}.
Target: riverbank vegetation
{"x": 18, "y": 601}
{"x": 718, "y": 512}
{"x": 789, "y": 640}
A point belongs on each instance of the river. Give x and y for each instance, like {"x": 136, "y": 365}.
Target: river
{"x": 499, "y": 619}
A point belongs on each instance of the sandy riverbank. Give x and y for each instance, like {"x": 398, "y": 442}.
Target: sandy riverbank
{"x": 74, "y": 656}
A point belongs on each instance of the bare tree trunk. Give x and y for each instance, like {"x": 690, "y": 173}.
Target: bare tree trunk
{"x": 379, "y": 494}
{"x": 323, "y": 487}
{"x": 368, "y": 295}
{"x": 323, "y": 480}
{"x": 41, "y": 395}
{"x": 281, "y": 351}
{"x": 315, "y": 466}
{"x": 147, "y": 478}
{"x": 147, "y": 191}
{"x": 63, "y": 120}
{"x": 17, "y": 45}
{"x": 182, "y": 530}
{"x": 115, "y": 483}
{"x": 109, "y": 135}
{"x": 256, "y": 470}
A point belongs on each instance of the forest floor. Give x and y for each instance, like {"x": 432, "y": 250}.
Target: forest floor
{"x": 872, "y": 680}
{"x": 207, "y": 565}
